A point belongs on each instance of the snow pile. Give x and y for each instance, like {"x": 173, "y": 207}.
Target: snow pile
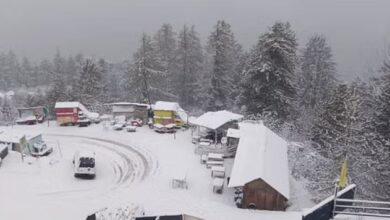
{"x": 214, "y": 120}
{"x": 261, "y": 154}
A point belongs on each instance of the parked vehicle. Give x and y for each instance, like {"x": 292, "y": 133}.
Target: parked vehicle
{"x": 83, "y": 121}
{"x": 131, "y": 128}
{"x": 159, "y": 128}
{"x": 40, "y": 149}
{"x": 84, "y": 164}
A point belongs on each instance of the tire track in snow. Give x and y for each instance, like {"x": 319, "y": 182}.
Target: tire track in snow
{"x": 135, "y": 167}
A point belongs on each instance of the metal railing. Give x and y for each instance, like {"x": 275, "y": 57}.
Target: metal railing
{"x": 362, "y": 208}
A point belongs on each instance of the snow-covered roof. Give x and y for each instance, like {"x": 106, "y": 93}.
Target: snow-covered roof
{"x": 91, "y": 115}
{"x": 171, "y": 106}
{"x": 129, "y": 103}
{"x": 214, "y": 120}
{"x": 2, "y": 147}
{"x": 234, "y": 133}
{"x": 88, "y": 154}
{"x": 166, "y": 106}
{"x": 261, "y": 154}
{"x": 67, "y": 105}
{"x": 10, "y": 136}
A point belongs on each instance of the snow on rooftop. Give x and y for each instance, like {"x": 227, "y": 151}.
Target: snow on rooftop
{"x": 130, "y": 103}
{"x": 166, "y": 106}
{"x": 171, "y": 106}
{"x": 214, "y": 120}
{"x": 11, "y": 136}
{"x": 91, "y": 115}
{"x": 67, "y": 105}
{"x": 261, "y": 154}
{"x": 2, "y": 147}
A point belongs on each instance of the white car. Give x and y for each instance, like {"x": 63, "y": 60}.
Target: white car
{"x": 84, "y": 164}
{"x": 41, "y": 149}
{"x": 131, "y": 128}
{"x": 118, "y": 126}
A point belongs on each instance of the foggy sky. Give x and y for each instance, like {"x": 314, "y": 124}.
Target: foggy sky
{"x": 357, "y": 30}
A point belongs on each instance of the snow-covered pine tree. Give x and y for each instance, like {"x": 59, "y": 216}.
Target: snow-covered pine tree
{"x": 267, "y": 87}
{"x": 28, "y": 74}
{"x": 164, "y": 44}
{"x": 316, "y": 79}
{"x": 145, "y": 75}
{"x": 58, "y": 90}
{"x": 189, "y": 58}
{"x": 89, "y": 88}
{"x": 223, "y": 50}
{"x": 330, "y": 132}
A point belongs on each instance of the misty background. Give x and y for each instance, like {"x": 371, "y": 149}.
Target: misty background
{"x": 357, "y": 30}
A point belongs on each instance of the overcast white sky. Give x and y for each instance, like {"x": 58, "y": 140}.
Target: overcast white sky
{"x": 358, "y": 30}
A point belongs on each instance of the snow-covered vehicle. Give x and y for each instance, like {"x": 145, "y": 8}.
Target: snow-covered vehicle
{"x": 84, "y": 164}
{"x": 137, "y": 122}
{"x": 83, "y": 121}
{"x": 131, "y": 128}
{"x": 159, "y": 128}
{"x": 120, "y": 123}
{"x": 40, "y": 149}
{"x": 170, "y": 128}
{"x": 118, "y": 126}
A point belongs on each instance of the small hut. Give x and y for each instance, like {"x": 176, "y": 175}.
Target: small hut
{"x": 131, "y": 110}
{"x": 31, "y": 115}
{"x": 214, "y": 125}
{"x": 68, "y": 112}
{"x": 27, "y": 143}
{"x": 261, "y": 168}
{"x": 166, "y": 113}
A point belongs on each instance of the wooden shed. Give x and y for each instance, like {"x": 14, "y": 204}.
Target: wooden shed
{"x": 261, "y": 168}
{"x": 68, "y": 112}
{"x": 31, "y": 115}
{"x": 131, "y": 110}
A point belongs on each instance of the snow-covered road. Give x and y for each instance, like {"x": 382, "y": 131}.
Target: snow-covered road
{"x": 131, "y": 168}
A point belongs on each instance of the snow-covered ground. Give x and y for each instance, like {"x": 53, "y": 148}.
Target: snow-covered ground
{"x": 131, "y": 168}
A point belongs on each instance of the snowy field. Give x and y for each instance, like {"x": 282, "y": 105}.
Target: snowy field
{"x": 131, "y": 168}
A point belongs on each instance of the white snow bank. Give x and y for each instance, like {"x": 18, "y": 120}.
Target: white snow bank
{"x": 214, "y": 120}
{"x": 261, "y": 154}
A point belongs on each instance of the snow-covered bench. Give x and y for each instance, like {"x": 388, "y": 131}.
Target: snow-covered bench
{"x": 180, "y": 180}
{"x": 210, "y": 164}
{"x": 218, "y": 185}
{"x": 218, "y": 171}
{"x": 214, "y": 157}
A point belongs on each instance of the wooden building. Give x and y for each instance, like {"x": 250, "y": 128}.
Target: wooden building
{"x": 68, "y": 113}
{"x": 131, "y": 110}
{"x": 22, "y": 142}
{"x": 260, "y": 168}
{"x": 31, "y": 115}
{"x": 165, "y": 113}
